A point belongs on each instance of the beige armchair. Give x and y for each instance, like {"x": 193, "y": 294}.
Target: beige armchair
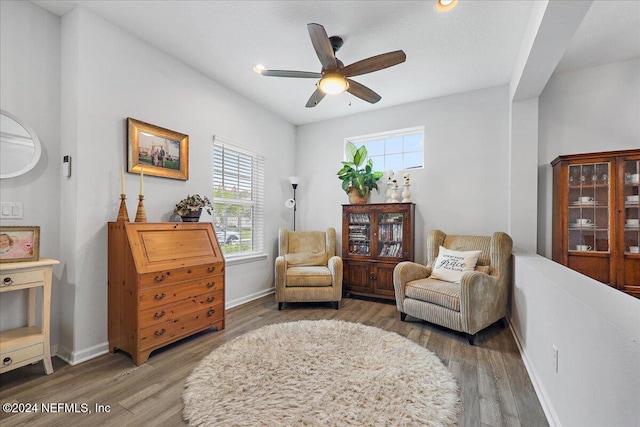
{"x": 307, "y": 268}
{"x": 479, "y": 300}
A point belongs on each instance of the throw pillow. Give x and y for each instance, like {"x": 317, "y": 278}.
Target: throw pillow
{"x": 451, "y": 265}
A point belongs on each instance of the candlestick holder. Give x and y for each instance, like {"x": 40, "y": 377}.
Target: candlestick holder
{"x": 394, "y": 194}
{"x": 123, "y": 216}
{"x": 389, "y": 191}
{"x": 406, "y": 194}
{"x": 141, "y": 216}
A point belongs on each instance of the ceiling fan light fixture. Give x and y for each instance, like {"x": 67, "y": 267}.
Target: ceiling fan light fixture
{"x": 259, "y": 68}
{"x": 445, "y": 5}
{"x": 333, "y": 83}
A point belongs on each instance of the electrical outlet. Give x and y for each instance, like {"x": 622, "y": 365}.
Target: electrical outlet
{"x": 555, "y": 358}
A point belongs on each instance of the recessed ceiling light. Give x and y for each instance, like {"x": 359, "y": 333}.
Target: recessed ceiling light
{"x": 445, "y": 5}
{"x": 259, "y": 68}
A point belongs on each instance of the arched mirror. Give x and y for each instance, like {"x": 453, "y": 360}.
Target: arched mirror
{"x": 19, "y": 146}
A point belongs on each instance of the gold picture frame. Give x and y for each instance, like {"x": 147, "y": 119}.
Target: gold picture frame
{"x": 161, "y": 152}
{"x": 19, "y": 243}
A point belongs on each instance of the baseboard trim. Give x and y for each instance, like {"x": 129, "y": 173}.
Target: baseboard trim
{"x": 73, "y": 358}
{"x": 545, "y": 402}
{"x": 248, "y": 298}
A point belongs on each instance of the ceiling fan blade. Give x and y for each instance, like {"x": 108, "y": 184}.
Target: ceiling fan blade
{"x": 287, "y": 73}
{"x": 322, "y": 45}
{"x": 316, "y": 97}
{"x": 374, "y": 63}
{"x": 362, "y": 92}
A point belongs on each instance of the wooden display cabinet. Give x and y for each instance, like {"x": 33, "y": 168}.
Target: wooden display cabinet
{"x": 166, "y": 282}
{"x": 375, "y": 238}
{"x": 596, "y": 214}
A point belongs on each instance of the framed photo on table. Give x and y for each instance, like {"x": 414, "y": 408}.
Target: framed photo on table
{"x": 161, "y": 152}
{"x": 20, "y": 243}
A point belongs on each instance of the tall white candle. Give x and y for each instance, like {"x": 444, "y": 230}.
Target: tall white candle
{"x": 122, "y": 180}
{"x": 141, "y": 182}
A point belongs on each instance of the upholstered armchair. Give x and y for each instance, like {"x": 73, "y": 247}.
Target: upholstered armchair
{"x": 477, "y": 301}
{"x": 307, "y": 268}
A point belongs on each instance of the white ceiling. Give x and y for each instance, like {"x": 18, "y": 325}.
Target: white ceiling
{"x": 472, "y": 47}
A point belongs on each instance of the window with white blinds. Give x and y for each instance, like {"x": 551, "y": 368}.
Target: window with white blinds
{"x": 238, "y": 199}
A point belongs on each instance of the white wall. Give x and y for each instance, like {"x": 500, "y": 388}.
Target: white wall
{"x": 30, "y": 89}
{"x": 110, "y": 75}
{"x": 463, "y": 188}
{"x": 523, "y": 149}
{"x": 596, "y": 331}
{"x": 594, "y": 327}
{"x": 590, "y": 110}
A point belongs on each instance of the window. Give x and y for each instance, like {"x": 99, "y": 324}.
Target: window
{"x": 394, "y": 150}
{"x": 238, "y": 198}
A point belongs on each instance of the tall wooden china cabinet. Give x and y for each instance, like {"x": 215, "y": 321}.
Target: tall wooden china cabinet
{"x": 375, "y": 238}
{"x": 596, "y": 214}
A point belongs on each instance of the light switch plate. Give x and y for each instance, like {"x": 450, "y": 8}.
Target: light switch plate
{"x": 11, "y": 210}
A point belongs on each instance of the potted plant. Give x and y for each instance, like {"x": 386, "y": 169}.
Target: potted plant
{"x": 357, "y": 181}
{"x": 191, "y": 207}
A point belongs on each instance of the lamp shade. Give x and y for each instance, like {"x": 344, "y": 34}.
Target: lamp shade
{"x": 294, "y": 180}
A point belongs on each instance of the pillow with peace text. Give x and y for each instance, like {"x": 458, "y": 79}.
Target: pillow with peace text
{"x": 451, "y": 265}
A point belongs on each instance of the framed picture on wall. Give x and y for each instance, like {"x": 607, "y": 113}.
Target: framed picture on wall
{"x": 161, "y": 152}
{"x": 20, "y": 243}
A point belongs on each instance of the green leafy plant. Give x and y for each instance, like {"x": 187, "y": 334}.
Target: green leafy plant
{"x": 193, "y": 203}
{"x": 353, "y": 174}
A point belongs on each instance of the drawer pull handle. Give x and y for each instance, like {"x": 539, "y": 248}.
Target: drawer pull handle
{"x": 7, "y": 361}
{"x": 210, "y": 312}
{"x": 211, "y": 285}
{"x": 8, "y": 281}
{"x": 211, "y": 269}
{"x": 211, "y": 299}
{"x": 159, "y": 297}
{"x": 160, "y": 278}
{"x": 160, "y": 332}
{"x": 159, "y": 315}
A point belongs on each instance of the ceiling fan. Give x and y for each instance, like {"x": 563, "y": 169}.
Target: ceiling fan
{"x": 334, "y": 77}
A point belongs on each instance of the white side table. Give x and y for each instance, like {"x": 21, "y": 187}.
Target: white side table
{"x": 29, "y": 344}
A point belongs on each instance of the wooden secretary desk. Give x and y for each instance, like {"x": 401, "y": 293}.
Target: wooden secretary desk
{"x": 166, "y": 282}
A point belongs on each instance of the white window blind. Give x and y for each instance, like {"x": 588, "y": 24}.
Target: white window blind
{"x": 394, "y": 150}
{"x": 238, "y": 198}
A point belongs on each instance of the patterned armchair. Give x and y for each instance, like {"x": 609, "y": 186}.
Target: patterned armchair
{"x": 307, "y": 268}
{"x": 479, "y": 300}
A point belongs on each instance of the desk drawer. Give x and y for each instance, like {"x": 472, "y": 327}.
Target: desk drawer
{"x": 168, "y": 312}
{"x": 21, "y": 278}
{"x": 167, "y": 294}
{"x": 20, "y": 355}
{"x": 172, "y": 330}
{"x": 179, "y": 275}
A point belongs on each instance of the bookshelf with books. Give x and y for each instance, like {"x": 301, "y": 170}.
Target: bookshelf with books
{"x": 375, "y": 238}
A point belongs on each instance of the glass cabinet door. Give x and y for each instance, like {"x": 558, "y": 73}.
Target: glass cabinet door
{"x": 588, "y": 219}
{"x": 631, "y": 207}
{"x": 359, "y": 234}
{"x": 389, "y": 241}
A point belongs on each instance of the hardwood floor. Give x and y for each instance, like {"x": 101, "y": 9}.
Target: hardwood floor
{"x": 494, "y": 386}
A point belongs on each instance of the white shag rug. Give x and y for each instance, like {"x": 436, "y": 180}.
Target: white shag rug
{"x": 320, "y": 373}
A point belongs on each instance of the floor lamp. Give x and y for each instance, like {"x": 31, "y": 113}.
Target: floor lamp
{"x": 294, "y": 180}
